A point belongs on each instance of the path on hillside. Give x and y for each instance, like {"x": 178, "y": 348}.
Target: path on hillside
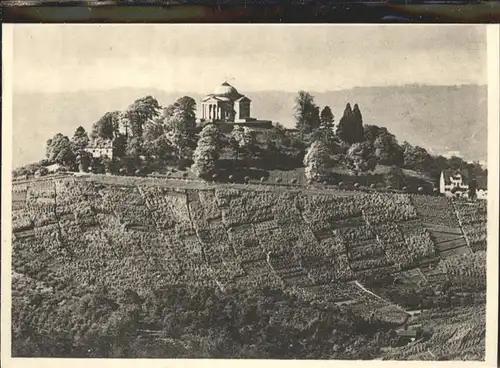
{"x": 193, "y": 184}
{"x": 358, "y": 284}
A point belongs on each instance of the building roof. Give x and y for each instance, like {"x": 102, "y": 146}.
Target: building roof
{"x": 448, "y": 173}
{"x": 225, "y": 89}
{"x": 100, "y": 144}
{"x": 224, "y": 92}
{"x": 481, "y": 181}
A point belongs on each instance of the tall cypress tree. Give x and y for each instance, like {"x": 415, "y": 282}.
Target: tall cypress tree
{"x": 357, "y": 122}
{"x": 344, "y": 130}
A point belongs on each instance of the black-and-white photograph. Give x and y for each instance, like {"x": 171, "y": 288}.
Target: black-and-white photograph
{"x": 309, "y": 192}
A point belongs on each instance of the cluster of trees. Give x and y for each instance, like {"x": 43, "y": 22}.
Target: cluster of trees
{"x": 187, "y": 322}
{"x": 147, "y": 137}
{"x": 144, "y": 136}
{"x": 352, "y": 145}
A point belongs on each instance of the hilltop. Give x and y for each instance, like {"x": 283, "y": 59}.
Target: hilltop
{"x": 366, "y": 258}
{"x": 435, "y": 117}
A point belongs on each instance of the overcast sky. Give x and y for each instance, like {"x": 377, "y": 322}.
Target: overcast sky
{"x": 195, "y": 58}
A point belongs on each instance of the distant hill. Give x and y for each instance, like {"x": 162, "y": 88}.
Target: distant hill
{"x": 443, "y": 119}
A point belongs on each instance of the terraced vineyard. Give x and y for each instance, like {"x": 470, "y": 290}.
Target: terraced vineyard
{"x": 147, "y": 235}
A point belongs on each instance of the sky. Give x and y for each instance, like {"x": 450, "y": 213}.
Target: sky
{"x": 195, "y": 58}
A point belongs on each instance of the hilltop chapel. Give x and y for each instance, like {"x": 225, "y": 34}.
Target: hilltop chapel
{"x": 227, "y": 107}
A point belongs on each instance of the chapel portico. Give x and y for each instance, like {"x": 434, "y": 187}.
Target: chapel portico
{"x": 225, "y": 104}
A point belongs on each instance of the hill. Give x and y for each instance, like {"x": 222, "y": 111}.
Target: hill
{"x": 435, "y": 117}
{"x": 373, "y": 256}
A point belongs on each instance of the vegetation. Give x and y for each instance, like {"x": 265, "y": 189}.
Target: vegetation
{"x": 110, "y": 266}
{"x": 148, "y": 138}
{"x": 149, "y": 270}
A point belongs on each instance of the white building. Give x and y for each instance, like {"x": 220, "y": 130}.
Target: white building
{"x": 225, "y": 104}
{"x": 101, "y": 149}
{"x": 455, "y": 183}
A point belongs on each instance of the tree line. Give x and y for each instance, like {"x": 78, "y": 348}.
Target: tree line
{"x": 352, "y": 145}
{"x": 147, "y": 137}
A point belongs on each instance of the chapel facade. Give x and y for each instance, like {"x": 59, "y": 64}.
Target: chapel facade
{"x": 226, "y": 105}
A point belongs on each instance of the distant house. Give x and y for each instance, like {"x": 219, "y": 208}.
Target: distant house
{"x": 456, "y": 183}
{"x": 101, "y": 148}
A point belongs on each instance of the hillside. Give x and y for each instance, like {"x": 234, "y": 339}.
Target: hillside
{"x": 374, "y": 256}
{"x": 435, "y": 117}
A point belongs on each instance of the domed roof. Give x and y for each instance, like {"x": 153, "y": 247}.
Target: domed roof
{"x": 225, "y": 89}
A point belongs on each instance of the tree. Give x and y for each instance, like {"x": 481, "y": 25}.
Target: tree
{"x": 244, "y": 141}
{"x": 140, "y": 112}
{"x": 134, "y": 147}
{"x": 207, "y": 151}
{"x": 107, "y": 164}
{"x": 187, "y": 106}
{"x": 83, "y": 160}
{"x": 155, "y": 142}
{"x": 350, "y": 128}
{"x": 326, "y": 118}
{"x": 416, "y": 158}
{"x": 104, "y": 128}
{"x": 344, "y": 129}
{"x": 119, "y": 145}
{"x": 387, "y": 149}
{"x": 180, "y": 127}
{"x": 59, "y": 149}
{"x": 325, "y": 131}
{"x": 360, "y": 157}
{"x": 395, "y": 177}
{"x": 317, "y": 160}
{"x": 472, "y": 188}
{"x": 358, "y": 132}
{"x": 80, "y": 139}
{"x": 306, "y": 113}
